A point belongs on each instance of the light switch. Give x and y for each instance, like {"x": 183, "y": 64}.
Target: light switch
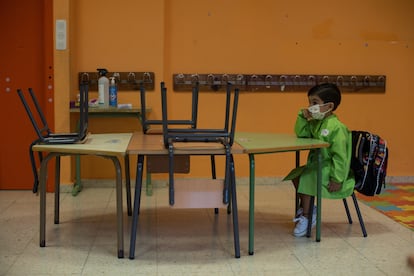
{"x": 60, "y": 34}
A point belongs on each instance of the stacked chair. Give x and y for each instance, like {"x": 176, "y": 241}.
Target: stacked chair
{"x": 195, "y": 141}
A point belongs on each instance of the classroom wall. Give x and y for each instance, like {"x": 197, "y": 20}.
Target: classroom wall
{"x": 372, "y": 37}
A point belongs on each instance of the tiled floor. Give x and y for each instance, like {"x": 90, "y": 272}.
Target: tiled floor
{"x": 194, "y": 242}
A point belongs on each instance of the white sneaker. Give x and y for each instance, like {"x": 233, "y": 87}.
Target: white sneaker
{"x": 302, "y": 224}
{"x": 299, "y": 212}
{"x": 314, "y": 216}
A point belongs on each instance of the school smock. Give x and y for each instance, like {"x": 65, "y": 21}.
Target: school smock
{"x": 336, "y": 159}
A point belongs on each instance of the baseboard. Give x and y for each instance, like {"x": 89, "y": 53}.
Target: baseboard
{"x": 109, "y": 183}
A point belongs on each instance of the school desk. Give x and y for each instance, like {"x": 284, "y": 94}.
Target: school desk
{"x": 245, "y": 143}
{"x": 146, "y": 145}
{"x": 111, "y": 146}
{"x": 104, "y": 112}
{"x": 267, "y": 143}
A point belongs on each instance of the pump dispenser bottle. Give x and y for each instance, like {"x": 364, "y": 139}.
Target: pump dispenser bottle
{"x": 113, "y": 92}
{"x": 103, "y": 88}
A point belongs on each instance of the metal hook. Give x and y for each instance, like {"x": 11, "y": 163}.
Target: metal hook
{"x": 117, "y": 77}
{"x": 339, "y": 81}
{"x": 146, "y": 77}
{"x": 85, "y": 77}
{"x": 180, "y": 78}
{"x": 194, "y": 78}
{"x": 131, "y": 77}
{"x": 367, "y": 80}
{"x": 210, "y": 79}
{"x": 311, "y": 80}
{"x": 225, "y": 78}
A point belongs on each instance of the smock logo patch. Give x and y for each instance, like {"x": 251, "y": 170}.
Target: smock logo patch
{"x": 325, "y": 132}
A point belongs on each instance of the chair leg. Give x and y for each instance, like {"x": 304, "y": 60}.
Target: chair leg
{"x": 361, "y": 221}
{"x": 171, "y": 174}
{"x": 128, "y": 184}
{"x": 137, "y": 203}
{"x": 213, "y": 175}
{"x": 348, "y": 214}
{"x": 310, "y": 214}
{"x": 235, "y": 211}
{"x": 297, "y": 203}
{"x": 34, "y": 168}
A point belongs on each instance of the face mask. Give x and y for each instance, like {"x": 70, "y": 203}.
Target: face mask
{"x": 315, "y": 111}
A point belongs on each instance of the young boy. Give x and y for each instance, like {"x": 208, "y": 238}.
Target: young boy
{"x": 318, "y": 121}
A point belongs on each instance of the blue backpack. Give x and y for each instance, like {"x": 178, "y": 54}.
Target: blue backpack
{"x": 369, "y": 162}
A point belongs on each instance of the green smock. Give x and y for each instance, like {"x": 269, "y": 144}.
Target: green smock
{"x": 336, "y": 159}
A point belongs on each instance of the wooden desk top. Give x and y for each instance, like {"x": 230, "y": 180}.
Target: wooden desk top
{"x": 275, "y": 142}
{"x": 152, "y": 144}
{"x": 110, "y": 144}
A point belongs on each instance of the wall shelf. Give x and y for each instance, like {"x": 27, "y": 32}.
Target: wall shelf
{"x": 278, "y": 83}
{"x": 127, "y": 81}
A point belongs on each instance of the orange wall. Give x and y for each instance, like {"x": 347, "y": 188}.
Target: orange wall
{"x": 369, "y": 37}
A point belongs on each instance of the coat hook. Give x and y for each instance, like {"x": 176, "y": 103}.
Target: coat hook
{"x": 180, "y": 78}
{"x": 210, "y": 79}
{"x": 225, "y": 78}
{"x": 131, "y": 77}
{"x": 366, "y": 80}
{"x": 146, "y": 77}
{"x": 85, "y": 78}
{"x": 311, "y": 80}
{"x": 117, "y": 76}
{"x": 339, "y": 81}
{"x": 268, "y": 81}
{"x": 194, "y": 78}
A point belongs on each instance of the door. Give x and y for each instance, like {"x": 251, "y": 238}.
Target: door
{"x": 26, "y": 60}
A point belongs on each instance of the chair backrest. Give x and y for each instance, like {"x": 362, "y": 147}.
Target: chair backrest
{"x": 225, "y": 134}
{"x": 38, "y": 119}
{"x": 191, "y": 123}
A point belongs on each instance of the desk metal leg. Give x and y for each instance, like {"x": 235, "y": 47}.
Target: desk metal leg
{"x": 119, "y": 213}
{"x": 319, "y": 197}
{"x": 251, "y": 205}
{"x": 42, "y": 182}
{"x": 137, "y": 203}
{"x": 57, "y": 189}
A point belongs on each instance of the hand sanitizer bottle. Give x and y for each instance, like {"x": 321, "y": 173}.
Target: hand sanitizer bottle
{"x": 113, "y": 93}
{"x": 103, "y": 88}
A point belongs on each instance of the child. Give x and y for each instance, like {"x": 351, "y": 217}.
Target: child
{"x": 318, "y": 121}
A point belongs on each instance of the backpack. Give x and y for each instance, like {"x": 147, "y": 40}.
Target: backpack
{"x": 369, "y": 162}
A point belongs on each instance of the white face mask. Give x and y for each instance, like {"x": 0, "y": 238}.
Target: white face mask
{"x": 315, "y": 111}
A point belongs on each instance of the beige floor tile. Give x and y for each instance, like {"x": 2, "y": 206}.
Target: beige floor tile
{"x": 195, "y": 241}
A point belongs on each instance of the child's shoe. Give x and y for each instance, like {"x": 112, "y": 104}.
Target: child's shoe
{"x": 302, "y": 224}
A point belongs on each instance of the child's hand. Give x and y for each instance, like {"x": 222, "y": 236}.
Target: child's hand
{"x": 306, "y": 114}
{"x": 334, "y": 186}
